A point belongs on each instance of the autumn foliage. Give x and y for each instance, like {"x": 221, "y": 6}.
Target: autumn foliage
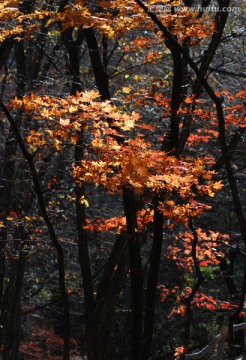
{"x": 119, "y": 179}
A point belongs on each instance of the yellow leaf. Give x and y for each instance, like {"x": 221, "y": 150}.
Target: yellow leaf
{"x": 126, "y": 90}
{"x": 72, "y": 109}
{"x": 218, "y": 185}
{"x": 82, "y": 201}
{"x": 65, "y": 122}
{"x": 210, "y": 193}
{"x": 111, "y": 33}
{"x": 74, "y": 138}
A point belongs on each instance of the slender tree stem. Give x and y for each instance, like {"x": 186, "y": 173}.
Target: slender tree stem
{"x": 50, "y": 227}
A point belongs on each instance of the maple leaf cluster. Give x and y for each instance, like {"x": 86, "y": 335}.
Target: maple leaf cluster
{"x": 61, "y": 118}
{"x": 111, "y": 18}
{"x": 132, "y": 162}
{"x": 199, "y": 301}
{"x": 19, "y": 25}
{"x": 118, "y": 223}
{"x": 207, "y": 251}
